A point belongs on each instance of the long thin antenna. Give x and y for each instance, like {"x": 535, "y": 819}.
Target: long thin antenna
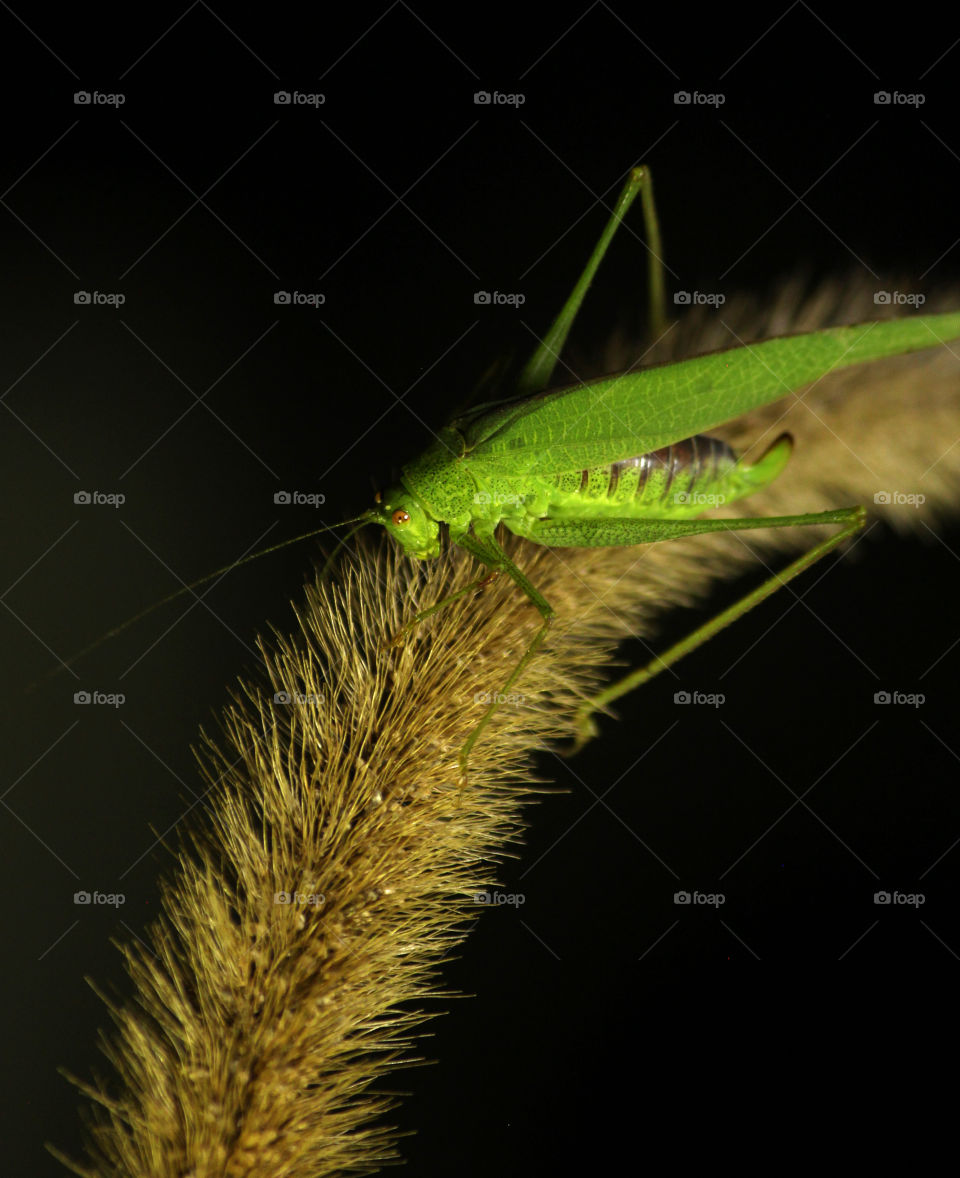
{"x": 364, "y": 519}
{"x": 360, "y": 520}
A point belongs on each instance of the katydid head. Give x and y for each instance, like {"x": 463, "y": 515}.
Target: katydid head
{"x": 402, "y": 514}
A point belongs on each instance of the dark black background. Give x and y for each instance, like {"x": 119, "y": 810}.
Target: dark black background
{"x": 606, "y": 1018}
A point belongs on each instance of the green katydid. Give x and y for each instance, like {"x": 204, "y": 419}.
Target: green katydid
{"x": 621, "y": 460}
{"x": 617, "y": 461}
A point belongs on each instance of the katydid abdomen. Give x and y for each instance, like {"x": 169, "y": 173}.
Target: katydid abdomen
{"x": 679, "y": 481}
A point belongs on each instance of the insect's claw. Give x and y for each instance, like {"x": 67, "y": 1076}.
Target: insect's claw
{"x": 397, "y": 639}
{"x": 585, "y": 729}
{"x": 461, "y": 777}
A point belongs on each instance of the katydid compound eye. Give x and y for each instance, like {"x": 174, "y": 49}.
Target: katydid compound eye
{"x": 400, "y": 517}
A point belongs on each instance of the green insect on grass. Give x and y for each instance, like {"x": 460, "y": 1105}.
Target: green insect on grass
{"x": 622, "y": 460}
{"x": 616, "y": 462}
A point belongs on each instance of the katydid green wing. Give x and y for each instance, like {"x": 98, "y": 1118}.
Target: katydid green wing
{"x": 636, "y": 412}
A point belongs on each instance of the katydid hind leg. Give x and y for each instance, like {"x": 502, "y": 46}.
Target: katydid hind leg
{"x": 584, "y": 726}
{"x": 656, "y": 280}
{"x": 537, "y": 373}
{"x": 619, "y": 532}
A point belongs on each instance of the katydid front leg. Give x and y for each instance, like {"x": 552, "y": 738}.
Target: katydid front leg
{"x": 852, "y": 519}
{"x": 477, "y": 583}
{"x": 486, "y": 549}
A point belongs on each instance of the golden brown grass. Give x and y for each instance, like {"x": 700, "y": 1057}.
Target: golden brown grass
{"x": 259, "y": 1029}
